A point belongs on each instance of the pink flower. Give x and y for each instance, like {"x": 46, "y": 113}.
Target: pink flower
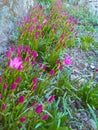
{"x": 0, "y": 80}
{"x": 34, "y": 103}
{"x": 0, "y": 96}
{"x": 12, "y": 48}
{"x": 37, "y": 35}
{"x": 16, "y": 63}
{"x": 3, "y": 107}
{"x": 14, "y": 85}
{"x": 50, "y": 99}
{"x": 27, "y": 59}
{"x": 51, "y": 72}
{"x": 44, "y": 67}
{"x": 39, "y": 109}
{"x": 58, "y": 61}
{"x": 60, "y": 67}
{"x": 18, "y": 80}
{"x": 23, "y": 119}
{"x": 39, "y": 27}
{"x": 34, "y": 54}
{"x": 34, "y": 81}
{"x": 96, "y": 70}
{"x": 67, "y": 61}
{"x": 21, "y": 99}
{"x": 5, "y": 86}
{"x": 40, "y": 65}
{"x": 34, "y": 88}
{"x": 45, "y": 21}
{"x": 33, "y": 62}
{"x": 8, "y": 54}
{"x": 62, "y": 37}
{"x": 45, "y": 117}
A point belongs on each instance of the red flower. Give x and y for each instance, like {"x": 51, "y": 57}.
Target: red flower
{"x": 18, "y": 80}
{"x": 34, "y": 81}
{"x": 34, "y": 88}
{"x": 34, "y": 54}
{"x": 39, "y": 109}
{"x": 67, "y": 61}
{"x": 45, "y": 117}
{"x": 3, "y": 107}
{"x": 60, "y": 67}
{"x": 50, "y": 99}
{"x": 23, "y": 119}
{"x": 34, "y": 103}
{"x": 51, "y": 72}
{"x": 14, "y": 85}
{"x": 44, "y": 67}
{"x": 21, "y": 99}
{"x": 5, "y": 86}
{"x": 58, "y": 61}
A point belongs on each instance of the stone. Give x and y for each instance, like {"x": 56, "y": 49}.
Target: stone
{"x": 92, "y": 66}
{"x": 9, "y": 10}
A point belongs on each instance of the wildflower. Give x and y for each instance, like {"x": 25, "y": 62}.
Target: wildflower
{"x": 33, "y": 62}
{"x": 51, "y": 72}
{"x": 27, "y": 59}
{"x": 45, "y": 117}
{"x": 5, "y": 86}
{"x": 62, "y": 37}
{"x": 0, "y": 80}
{"x": 0, "y": 96}
{"x": 21, "y": 99}
{"x": 14, "y": 85}
{"x": 23, "y": 119}
{"x": 45, "y": 21}
{"x": 44, "y": 67}
{"x": 34, "y": 54}
{"x": 37, "y": 35}
{"x": 96, "y": 70}
{"x": 58, "y": 61}
{"x": 12, "y": 48}
{"x": 8, "y": 55}
{"x": 50, "y": 99}
{"x": 18, "y": 80}
{"x": 3, "y": 107}
{"x": 16, "y": 63}
{"x": 60, "y": 67}
{"x": 34, "y": 88}
{"x": 40, "y": 65}
{"x": 34, "y": 81}
{"x": 67, "y": 61}
{"x": 39, "y": 109}
{"x": 39, "y": 27}
{"x": 34, "y": 103}
{"x": 19, "y": 48}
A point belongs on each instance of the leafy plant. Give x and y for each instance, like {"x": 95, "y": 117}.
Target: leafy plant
{"x": 48, "y": 34}
{"x": 88, "y": 92}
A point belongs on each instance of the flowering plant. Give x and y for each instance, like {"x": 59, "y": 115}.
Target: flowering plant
{"x": 47, "y": 34}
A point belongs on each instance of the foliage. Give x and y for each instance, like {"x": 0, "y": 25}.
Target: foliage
{"x": 47, "y": 34}
{"x": 88, "y": 92}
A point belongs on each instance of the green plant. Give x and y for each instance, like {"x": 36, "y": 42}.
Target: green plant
{"x": 48, "y": 33}
{"x": 88, "y": 93}
{"x": 93, "y": 115}
{"x": 86, "y": 42}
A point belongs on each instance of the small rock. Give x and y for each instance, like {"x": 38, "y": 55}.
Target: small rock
{"x": 92, "y": 66}
{"x": 73, "y": 77}
{"x": 96, "y": 78}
